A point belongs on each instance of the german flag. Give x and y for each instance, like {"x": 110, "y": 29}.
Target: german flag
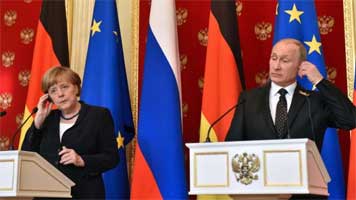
{"x": 51, "y": 49}
{"x": 223, "y": 79}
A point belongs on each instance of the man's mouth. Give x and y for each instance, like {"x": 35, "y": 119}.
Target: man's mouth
{"x": 276, "y": 75}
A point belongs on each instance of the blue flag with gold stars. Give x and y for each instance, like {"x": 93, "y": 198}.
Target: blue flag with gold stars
{"x": 297, "y": 19}
{"x": 105, "y": 84}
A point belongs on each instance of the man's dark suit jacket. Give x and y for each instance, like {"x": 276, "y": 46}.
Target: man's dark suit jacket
{"x": 309, "y": 115}
{"x": 92, "y": 137}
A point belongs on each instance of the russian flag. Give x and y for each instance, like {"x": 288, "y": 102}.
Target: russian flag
{"x": 158, "y": 171}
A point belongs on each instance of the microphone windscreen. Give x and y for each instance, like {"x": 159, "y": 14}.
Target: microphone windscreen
{"x": 34, "y": 110}
{"x": 2, "y": 113}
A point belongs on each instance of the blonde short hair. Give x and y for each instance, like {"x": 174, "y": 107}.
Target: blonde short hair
{"x": 55, "y": 74}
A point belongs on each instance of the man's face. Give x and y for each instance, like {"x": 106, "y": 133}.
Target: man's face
{"x": 284, "y": 63}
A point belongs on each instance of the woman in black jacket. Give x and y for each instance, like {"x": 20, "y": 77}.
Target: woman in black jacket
{"x": 76, "y": 138}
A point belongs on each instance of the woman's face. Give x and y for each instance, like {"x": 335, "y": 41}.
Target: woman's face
{"x": 64, "y": 95}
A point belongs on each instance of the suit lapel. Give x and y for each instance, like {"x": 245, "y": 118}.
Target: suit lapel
{"x": 267, "y": 110}
{"x": 297, "y": 102}
{"x": 82, "y": 113}
{"x": 57, "y": 142}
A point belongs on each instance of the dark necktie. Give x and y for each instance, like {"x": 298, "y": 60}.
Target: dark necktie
{"x": 281, "y": 114}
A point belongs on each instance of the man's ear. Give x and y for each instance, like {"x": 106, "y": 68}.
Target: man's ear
{"x": 300, "y": 63}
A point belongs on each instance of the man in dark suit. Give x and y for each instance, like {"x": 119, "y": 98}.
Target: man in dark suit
{"x": 268, "y": 113}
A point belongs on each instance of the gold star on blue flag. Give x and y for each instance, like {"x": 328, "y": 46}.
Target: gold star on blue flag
{"x": 95, "y": 27}
{"x": 105, "y": 84}
{"x": 294, "y": 14}
{"x": 313, "y": 45}
{"x": 297, "y": 19}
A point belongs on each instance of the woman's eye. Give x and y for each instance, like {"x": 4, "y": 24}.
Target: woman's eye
{"x": 52, "y": 91}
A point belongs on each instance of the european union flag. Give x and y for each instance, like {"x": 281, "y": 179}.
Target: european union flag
{"x": 105, "y": 84}
{"x": 297, "y": 19}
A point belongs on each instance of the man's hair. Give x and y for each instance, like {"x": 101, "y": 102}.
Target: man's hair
{"x": 55, "y": 74}
{"x": 301, "y": 48}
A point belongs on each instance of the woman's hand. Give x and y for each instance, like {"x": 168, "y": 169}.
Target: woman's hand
{"x": 69, "y": 156}
{"x": 44, "y": 108}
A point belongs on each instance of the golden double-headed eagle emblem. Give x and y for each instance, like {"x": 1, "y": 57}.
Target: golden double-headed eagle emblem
{"x": 245, "y": 167}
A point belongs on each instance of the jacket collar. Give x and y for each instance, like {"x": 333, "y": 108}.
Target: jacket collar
{"x": 297, "y": 102}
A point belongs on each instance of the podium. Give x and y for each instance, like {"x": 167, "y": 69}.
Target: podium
{"x": 24, "y": 175}
{"x": 260, "y": 169}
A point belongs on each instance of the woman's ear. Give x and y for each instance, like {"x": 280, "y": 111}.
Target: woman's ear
{"x": 77, "y": 91}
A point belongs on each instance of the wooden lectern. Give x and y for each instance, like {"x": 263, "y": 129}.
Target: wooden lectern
{"x": 24, "y": 175}
{"x": 261, "y": 169}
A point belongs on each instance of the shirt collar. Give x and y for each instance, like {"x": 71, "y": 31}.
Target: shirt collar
{"x": 290, "y": 88}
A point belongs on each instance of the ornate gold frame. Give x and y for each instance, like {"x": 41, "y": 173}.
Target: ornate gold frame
{"x": 265, "y": 181}
{"x": 350, "y": 43}
{"x": 227, "y": 184}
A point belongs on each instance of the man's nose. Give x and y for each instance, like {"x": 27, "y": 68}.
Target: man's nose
{"x": 277, "y": 65}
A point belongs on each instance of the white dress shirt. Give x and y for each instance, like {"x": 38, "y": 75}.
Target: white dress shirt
{"x": 62, "y": 128}
{"x": 274, "y": 97}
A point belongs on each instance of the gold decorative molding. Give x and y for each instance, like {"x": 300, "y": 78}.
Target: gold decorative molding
{"x": 13, "y": 172}
{"x": 133, "y": 79}
{"x": 267, "y": 184}
{"x": 227, "y": 183}
{"x": 350, "y": 45}
{"x": 69, "y": 16}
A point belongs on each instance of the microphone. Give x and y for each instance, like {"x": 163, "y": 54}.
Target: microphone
{"x": 221, "y": 117}
{"x": 311, "y": 119}
{"x": 2, "y": 113}
{"x": 309, "y": 114}
{"x": 11, "y": 146}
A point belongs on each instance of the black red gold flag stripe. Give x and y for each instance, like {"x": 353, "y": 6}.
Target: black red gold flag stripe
{"x": 226, "y": 18}
{"x": 223, "y": 78}
{"x": 51, "y": 49}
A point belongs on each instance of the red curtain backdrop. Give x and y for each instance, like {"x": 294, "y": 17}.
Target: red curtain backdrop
{"x": 18, "y": 29}
{"x": 256, "y": 19}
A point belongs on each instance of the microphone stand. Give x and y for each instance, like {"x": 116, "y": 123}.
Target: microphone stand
{"x": 11, "y": 146}
{"x": 221, "y": 117}
{"x": 2, "y": 114}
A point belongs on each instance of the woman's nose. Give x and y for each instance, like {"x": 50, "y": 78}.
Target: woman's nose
{"x": 60, "y": 93}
